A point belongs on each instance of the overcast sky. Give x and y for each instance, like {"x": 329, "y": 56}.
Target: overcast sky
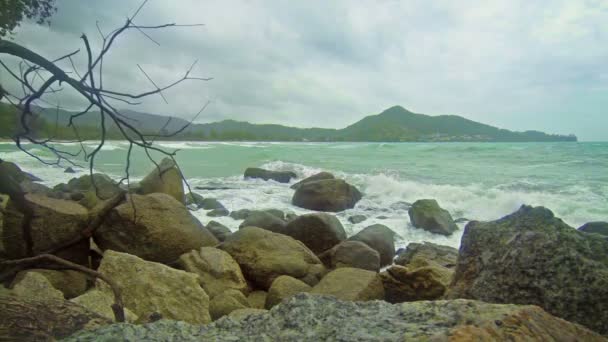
{"x": 516, "y": 64}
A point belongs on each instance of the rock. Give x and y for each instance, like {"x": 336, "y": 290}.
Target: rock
{"x": 211, "y": 204}
{"x": 532, "y": 257}
{"x": 149, "y": 287}
{"x": 355, "y": 254}
{"x": 264, "y": 255}
{"x": 257, "y": 299}
{"x": 595, "y": 227}
{"x": 357, "y": 219}
{"x": 307, "y": 317}
{"x": 226, "y": 302}
{"x": 278, "y": 176}
{"x": 218, "y": 230}
{"x": 166, "y": 178}
{"x": 31, "y": 319}
{"x": 242, "y": 313}
{"x": 218, "y": 212}
{"x": 284, "y": 287}
{"x": 10, "y": 178}
{"x": 401, "y": 205}
{"x": 265, "y": 220}
{"x": 426, "y": 214}
{"x": 90, "y": 190}
{"x": 35, "y": 285}
{"x": 53, "y": 223}
{"x": 319, "y": 176}
{"x": 318, "y": 231}
{"x": 28, "y": 186}
{"x": 162, "y": 231}
{"x": 326, "y": 195}
{"x": 351, "y": 284}
{"x": 240, "y": 214}
{"x": 276, "y": 212}
{"x": 424, "y": 254}
{"x": 216, "y": 269}
{"x": 101, "y": 303}
{"x": 70, "y": 283}
{"x": 69, "y": 169}
{"x": 381, "y": 238}
{"x": 402, "y": 284}
{"x": 192, "y": 198}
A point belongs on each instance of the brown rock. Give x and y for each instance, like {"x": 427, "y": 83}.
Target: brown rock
{"x": 318, "y": 231}
{"x": 326, "y": 195}
{"x": 167, "y": 179}
{"x": 284, "y": 287}
{"x": 381, "y": 238}
{"x": 351, "y": 284}
{"x": 355, "y": 254}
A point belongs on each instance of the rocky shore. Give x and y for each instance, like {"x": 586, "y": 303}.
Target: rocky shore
{"x": 93, "y": 260}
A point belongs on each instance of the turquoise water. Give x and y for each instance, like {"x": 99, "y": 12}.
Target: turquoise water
{"x": 482, "y": 181}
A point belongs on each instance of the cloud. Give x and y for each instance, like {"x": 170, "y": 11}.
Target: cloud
{"x": 517, "y": 64}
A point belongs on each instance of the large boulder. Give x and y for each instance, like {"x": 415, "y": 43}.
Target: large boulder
{"x": 226, "y": 302}
{"x": 354, "y": 254}
{"x": 211, "y": 204}
{"x": 165, "y": 178}
{"x": 35, "y": 285}
{"x": 326, "y": 195}
{"x": 307, "y": 317}
{"x": 351, "y": 284}
{"x": 284, "y": 287}
{"x": 319, "y": 176}
{"x": 318, "y": 231}
{"x": 264, "y": 255}
{"x": 52, "y": 223}
{"x": 155, "y": 227}
{"x": 151, "y": 288}
{"x": 89, "y": 190}
{"x": 403, "y": 284}
{"x": 257, "y": 299}
{"x": 194, "y": 199}
{"x": 240, "y": 214}
{"x": 278, "y": 176}
{"x": 216, "y": 269}
{"x": 265, "y": 220}
{"x": 428, "y": 215}
{"x": 595, "y": 227}
{"x": 427, "y": 253}
{"x": 532, "y": 257}
{"x": 381, "y": 238}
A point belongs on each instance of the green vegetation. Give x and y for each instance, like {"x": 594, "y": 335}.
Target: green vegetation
{"x": 12, "y": 12}
{"x": 392, "y": 125}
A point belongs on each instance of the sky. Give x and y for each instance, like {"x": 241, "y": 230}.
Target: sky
{"x": 515, "y": 64}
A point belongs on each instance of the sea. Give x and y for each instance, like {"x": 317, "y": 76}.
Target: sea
{"x": 473, "y": 181}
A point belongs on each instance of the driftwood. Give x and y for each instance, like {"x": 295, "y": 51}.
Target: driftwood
{"x": 28, "y": 319}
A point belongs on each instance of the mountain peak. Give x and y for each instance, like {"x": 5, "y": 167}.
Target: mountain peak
{"x": 395, "y": 110}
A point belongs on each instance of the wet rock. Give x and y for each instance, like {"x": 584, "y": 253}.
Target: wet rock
{"x": 381, "y": 238}
{"x": 155, "y": 227}
{"x": 69, "y": 169}
{"x": 357, "y": 219}
{"x": 278, "y": 176}
{"x": 194, "y": 199}
{"x": 284, "y": 287}
{"x": 403, "y": 284}
{"x": 319, "y": 176}
{"x": 265, "y": 220}
{"x": 149, "y": 287}
{"x": 318, "y": 231}
{"x": 326, "y": 195}
{"x": 324, "y": 318}
{"x": 424, "y": 254}
{"x": 264, "y": 255}
{"x": 532, "y": 257}
{"x": 216, "y": 269}
{"x": 218, "y": 212}
{"x": 353, "y": 254}
{"x": 166, "y": 178}
{"x": 351, "y": 284}
{"x": 218, "y": 230}
{"x": 240, "y": 214}
{"x": 426, "y": 214}
{"x": 211, "y": 204}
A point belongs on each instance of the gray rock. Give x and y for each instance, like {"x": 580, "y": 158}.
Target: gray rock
{"x": 279, "y": 176}
{"x": 210, "y": 204}
{"x": 354, "y": 254}
{"x": 421, "y": 254}
{"x": 426, "y": 214}
{"x": 166, "y": 178}
{"x": 319, "y": 176}
{"x": 318, "y": 231}
{"x": 326, "y": 195}
{"x": 218, "y": 230}
{"x": 381, "y": 238}
{"x": 265, "y": 220}
{"x": 218, "y": 212}
{"x": 307, "y": 317}
{"x": 192, "y": 198}
{"x": 357, "y": 219}
{"x": 240, "y": 214}
{"x": 69, "y": 169}
{"x": 532, "y": 257}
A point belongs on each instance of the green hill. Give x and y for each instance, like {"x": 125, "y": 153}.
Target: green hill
{"x": 392, "y": 125}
